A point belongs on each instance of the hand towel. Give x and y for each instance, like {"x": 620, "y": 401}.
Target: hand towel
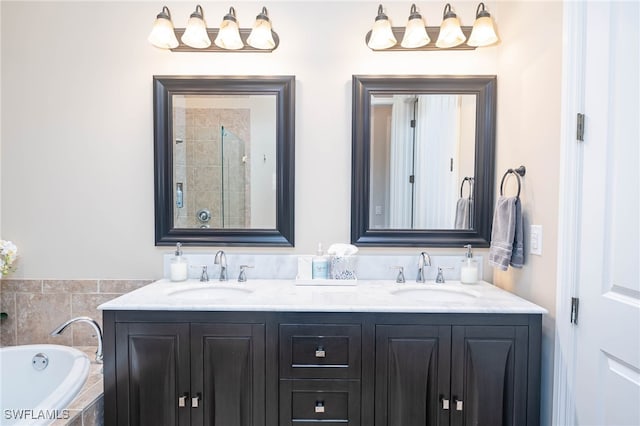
{"x": 503, "y": 232}
{"x": 517, "y": 255}
{"x": 463, "y": 213}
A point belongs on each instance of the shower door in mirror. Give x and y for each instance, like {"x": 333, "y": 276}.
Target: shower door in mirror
{"x": 224, "y": 161}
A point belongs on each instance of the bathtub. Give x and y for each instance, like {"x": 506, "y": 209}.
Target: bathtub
{"x": 35, "y": 390}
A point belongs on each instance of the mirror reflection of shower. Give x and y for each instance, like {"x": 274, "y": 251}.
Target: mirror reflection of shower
{"x": 224, "y": 161}
{"x": 233, "y": 178}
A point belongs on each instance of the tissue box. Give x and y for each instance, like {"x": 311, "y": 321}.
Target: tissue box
{"x": 342, "y": 267}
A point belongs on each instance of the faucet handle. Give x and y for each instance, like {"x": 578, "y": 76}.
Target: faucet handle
{"x": 242, "y": 278}
{"x": 400, "y": 278}
{"x": 204, "y": 276}
{"x": 440, "y": 277}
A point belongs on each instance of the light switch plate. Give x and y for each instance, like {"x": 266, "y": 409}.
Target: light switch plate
{"x": 535, "y": 240}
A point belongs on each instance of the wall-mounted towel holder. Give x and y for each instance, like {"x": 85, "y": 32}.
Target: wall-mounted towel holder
{"x": 470, "y": 180}
{"x": 520, "y": 171}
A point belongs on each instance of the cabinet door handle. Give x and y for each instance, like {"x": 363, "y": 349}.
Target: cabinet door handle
{"x": 445, "y": 404}
{"x": 182, "y": 400}
{"x": 319, "y": 407}
{"x": 320, "y": 353}
{"x": 195, "y": 401}
{"x": 458, "y": 405}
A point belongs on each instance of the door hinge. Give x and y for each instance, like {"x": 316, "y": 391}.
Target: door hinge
{"x": 413, "y": 123}
{"x": 575, "y": 304}
{"x": 412, "y": 178}
{"x": 580, "y": 127}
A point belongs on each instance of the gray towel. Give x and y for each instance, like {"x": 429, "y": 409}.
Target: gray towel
{"x": 463, "y": 213}
{"x": 517, "y": 255}
{"x": 503, "y": 232}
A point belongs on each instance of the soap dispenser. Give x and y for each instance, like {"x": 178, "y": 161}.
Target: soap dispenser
{"x": 319, "y": 265}
{"x": 469, "y": 268}
{"x": 178, "y": 267}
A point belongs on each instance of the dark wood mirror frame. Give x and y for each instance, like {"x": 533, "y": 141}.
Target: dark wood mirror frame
{"x": 484, "y": 87}
{"x": 283, "y": 87}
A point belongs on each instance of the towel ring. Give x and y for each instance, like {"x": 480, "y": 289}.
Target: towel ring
{"x": 520, "y": 171}
{"x": 470, "y": 180}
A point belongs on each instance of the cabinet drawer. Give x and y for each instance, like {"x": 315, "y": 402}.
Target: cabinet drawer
{"x": 307, "y": 402}
{"x": 320, "y": 351}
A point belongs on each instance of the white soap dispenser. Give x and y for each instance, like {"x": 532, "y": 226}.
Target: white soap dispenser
{"x": 178, "y": 268}
{"x": 319, "y": 265}
{"x": 469, "y": 268}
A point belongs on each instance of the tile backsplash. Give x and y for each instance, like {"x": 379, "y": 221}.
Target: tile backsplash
{"x": 35, "y": 307}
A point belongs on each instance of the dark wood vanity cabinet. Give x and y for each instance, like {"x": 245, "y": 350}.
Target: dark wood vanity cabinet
{"x": 303, "y": 369}
{"x": 451, "y": 375}
{"x": 188, "y": 374}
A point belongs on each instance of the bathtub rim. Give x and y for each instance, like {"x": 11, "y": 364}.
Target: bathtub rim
{"x": 65, "y": 391}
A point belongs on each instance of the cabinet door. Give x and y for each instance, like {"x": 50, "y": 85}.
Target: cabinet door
{"x": 412, "y": 375}
{"x": 489, "y": 376}
{"x": 152, "y": 372}
{"x": 228, "y": 374}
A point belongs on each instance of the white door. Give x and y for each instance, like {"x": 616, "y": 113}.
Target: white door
{"x": 607, "y": 380}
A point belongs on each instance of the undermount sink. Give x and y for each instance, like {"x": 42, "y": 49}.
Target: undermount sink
{"x": 209, "y": 292}
{"x": 435, "y": 293}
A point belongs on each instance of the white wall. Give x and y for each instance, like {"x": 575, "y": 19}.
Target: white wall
{"x": 528, "y": 133}
{"x": 78, "y": 143}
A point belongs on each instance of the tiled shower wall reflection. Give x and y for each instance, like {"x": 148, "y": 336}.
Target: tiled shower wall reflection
{"x": 213, "y": 168}
{"x": 35, "y": 307}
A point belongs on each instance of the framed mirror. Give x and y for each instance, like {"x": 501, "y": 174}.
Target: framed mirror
{"x": 224, "y": 160}
{"x": 423, "y": 160}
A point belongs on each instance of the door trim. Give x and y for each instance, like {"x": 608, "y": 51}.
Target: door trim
{"x": 569, "y": 217}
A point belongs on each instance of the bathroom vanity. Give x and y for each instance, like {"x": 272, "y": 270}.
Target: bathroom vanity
{"x": 272, "y": 353}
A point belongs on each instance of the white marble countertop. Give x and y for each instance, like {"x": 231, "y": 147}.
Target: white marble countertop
{"x": 284, "y": 295}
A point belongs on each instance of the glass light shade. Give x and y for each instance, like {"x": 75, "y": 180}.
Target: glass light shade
{"x": 162, "y": 34}
{"x": 450, "y": 33}
{"x": 415, "y": 34}
{"x": 483, "y": 33}
{"x": 229, "y": 34}
{"x": 195, "y": 35}
{"x": 381, "y": 35}
{"x": 261, "y": 37}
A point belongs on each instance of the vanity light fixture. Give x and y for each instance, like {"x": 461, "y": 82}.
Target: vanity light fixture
{"x": 261, "y": 37}
{"x": 381, "y": 35}
{"x": 415, "y": 34}
{"x": 196, "y": 33}
{"x": 483, "y": 33}
{"x": 229, "y": 34}
{"x": 196, "y": 37}
{"x": 162, "y": 34}
{"x": 450, "y": 32}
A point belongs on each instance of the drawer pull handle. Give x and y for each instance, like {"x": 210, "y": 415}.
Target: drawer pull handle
{"x": 458, "y": 405}
{"x": 445, "y": 404}
{"x": 320, "y": 353}
{"x": 320, "y": 407}
{"x": 195, "y": 401}
{"x": 182, "y": 400}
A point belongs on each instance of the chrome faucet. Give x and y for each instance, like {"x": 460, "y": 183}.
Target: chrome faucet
{"x": 89, "y": 321}
{"x": 221, "y": 259}
{"x": 423, "y": 260}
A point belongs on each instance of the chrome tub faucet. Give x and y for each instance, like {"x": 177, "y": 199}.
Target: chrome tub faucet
{"x": 58, "y": 330}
